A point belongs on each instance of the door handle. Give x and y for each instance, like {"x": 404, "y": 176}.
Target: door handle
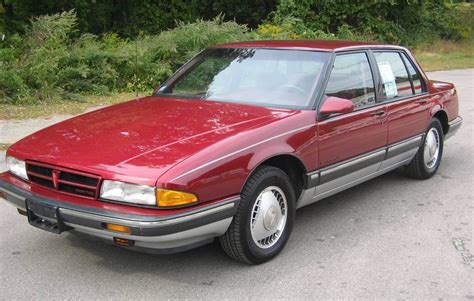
{"x": 378, "y": 113}
{"x": 421, "y": 101}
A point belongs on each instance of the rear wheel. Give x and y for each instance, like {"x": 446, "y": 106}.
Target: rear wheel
{"x": 428, "y": 158}
{"x": 264, "y": 220}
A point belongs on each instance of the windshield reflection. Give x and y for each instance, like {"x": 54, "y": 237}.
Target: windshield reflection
{"x": 266, "y": 77}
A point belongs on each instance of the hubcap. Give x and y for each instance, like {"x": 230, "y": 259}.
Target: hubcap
{"x": 268, "y": 218}
{"x": 431, "y": 148}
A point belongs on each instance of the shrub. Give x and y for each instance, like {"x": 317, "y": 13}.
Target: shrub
{"x": 289, "y": 28}
{"x": 12, "y": 87}
{"x": 463, "y": 16}
{"x": 399, "y": 22}
{"x": 52, "y": 62}
{"x": 184, "y": 41}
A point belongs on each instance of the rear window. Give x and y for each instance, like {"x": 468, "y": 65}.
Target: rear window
{"x": 395, "y": 79}
{"x": 414, "y": 75}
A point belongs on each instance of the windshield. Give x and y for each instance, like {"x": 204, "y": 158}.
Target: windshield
{"x": 266, "y": 77}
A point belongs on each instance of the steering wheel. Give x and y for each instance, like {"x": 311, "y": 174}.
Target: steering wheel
{"x": 298, "y": 89}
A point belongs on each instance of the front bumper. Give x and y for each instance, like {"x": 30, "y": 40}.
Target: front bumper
{"x": 454, "y": 126}
{"x": 163, "y": 234}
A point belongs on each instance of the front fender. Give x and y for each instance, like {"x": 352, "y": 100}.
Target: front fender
{"x": 223, "y": 169}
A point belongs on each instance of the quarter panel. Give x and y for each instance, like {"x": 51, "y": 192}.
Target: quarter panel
{"x": 448, "y": 102}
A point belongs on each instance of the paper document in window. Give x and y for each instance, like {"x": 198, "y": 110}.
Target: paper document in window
{"x": 388, "y": 79}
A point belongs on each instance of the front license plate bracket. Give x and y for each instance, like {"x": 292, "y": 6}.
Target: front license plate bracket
{"x": 45, "y": 217}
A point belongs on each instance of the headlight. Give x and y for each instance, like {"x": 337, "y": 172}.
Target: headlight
{"x": 145, "y": 195}
{"x": 17, "y": 167}
{"x": 129, "y": 193}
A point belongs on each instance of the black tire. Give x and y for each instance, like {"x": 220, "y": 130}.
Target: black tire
{"x": 417, "y": 168}
{"x": 237, "y": 242}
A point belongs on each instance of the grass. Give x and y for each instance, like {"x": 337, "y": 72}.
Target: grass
{"x": 8, "y": 111}
{"x": 446, "y": 55}
{"x": 441, "y": 55}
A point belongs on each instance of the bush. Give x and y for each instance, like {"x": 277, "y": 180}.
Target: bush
{"x": 12, "y": 86}
{"x": 399, "y": 22}
{"x": 53, "y": 63}
{"x": 289, "y": 28}
{"x": 463, "y": 16}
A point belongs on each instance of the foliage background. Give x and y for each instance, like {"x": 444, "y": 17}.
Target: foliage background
{"x": 65, "y": 49}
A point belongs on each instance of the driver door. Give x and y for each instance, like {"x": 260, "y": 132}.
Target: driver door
{"x": 352, "y": 145}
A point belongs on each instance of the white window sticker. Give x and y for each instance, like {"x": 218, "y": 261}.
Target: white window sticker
{"x": 388, "y": 79}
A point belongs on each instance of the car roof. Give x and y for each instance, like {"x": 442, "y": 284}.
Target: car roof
{"x": 320, "y": 45}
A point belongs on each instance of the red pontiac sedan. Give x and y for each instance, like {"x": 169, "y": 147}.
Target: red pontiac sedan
{"x": 232, "y": 144}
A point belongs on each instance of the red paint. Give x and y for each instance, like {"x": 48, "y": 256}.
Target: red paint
{"x": 349, "y": 135}
{"x": 302, "y": 44}
{"x": 210, "y": 148}
{"x": 407, "y": 118}
{"x": 139, "y": 140}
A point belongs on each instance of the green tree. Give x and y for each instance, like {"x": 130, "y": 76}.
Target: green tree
{"x": 403, "y": 21}
{"x": 131, "y": 17}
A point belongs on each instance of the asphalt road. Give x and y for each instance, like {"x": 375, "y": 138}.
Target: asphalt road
{"x": 392, "y": 237}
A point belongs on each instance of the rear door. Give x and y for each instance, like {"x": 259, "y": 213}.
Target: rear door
{"x": 405, "y": 96}
{"x": 408, "y": 106}
{"x": 351, "y": 146}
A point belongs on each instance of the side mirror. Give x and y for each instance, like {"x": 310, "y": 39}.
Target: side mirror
{"x": 336, "y": 105}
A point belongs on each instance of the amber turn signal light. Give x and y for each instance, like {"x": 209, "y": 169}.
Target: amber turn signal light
{"x": 118, "y": 228}
{"x": 172, "y": 198}
{"x": 123, "y": 242}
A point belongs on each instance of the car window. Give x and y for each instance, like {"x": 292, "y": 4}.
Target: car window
{"x": 265, "y": 77}
{"x": 414, "y": 75}
{"x": 351, "y": 78}
{"x": 396, "y": 82}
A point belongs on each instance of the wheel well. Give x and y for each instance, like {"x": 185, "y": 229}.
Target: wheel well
{"x": 293, "y": 167}
{"x": 443, "y": 118}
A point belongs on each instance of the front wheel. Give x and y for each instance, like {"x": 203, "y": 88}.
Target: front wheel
{"x": 264, "y": 220}
{"x": 426, "y": 161}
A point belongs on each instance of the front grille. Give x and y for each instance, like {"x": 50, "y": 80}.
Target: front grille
{"x": 80, "y": 179}
{"x": 40, "y": 170}
{"x": 63, "y": 180}
{"x": 41, "y": 181}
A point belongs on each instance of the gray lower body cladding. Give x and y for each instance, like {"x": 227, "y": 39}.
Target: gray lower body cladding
{"x": 165, "y": 234}
{"x": 333, "y": 179}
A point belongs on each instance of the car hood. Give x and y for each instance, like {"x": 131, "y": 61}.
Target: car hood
{"x": 142, "y": 138}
